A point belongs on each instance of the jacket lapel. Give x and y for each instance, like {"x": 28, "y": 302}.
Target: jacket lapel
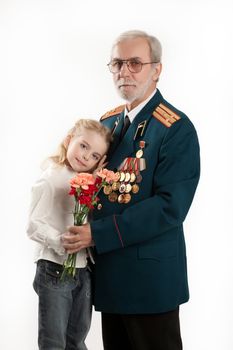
{"x": 116, "y": 131}
{"x": 127, "y": 146}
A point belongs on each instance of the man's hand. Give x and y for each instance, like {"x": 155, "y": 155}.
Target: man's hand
{"x": 77, "y": 238}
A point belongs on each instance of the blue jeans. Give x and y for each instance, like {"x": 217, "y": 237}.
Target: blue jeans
{"x": 65, "y": 307}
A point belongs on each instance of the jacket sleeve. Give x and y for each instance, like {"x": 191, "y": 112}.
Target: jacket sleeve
{"x": 39, "y": 228}
{"x": 174, "y": 183}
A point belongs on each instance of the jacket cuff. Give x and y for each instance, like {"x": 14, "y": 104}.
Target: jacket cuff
{"x": 107, "y": 234}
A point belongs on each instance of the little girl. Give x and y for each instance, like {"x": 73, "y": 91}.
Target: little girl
{"x": 64, "y": 306}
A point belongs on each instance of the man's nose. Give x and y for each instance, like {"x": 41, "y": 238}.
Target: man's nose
{"x": 124, "y": 69}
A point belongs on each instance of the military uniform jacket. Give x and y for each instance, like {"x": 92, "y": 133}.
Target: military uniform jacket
{"x": 140, "y": 248}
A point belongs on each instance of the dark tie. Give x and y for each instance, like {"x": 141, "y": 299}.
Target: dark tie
{"x": 125, "y": 127}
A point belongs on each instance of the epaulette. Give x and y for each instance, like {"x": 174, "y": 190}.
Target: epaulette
{"x": 114, "y": 111}
{"x": 165, "y": 115}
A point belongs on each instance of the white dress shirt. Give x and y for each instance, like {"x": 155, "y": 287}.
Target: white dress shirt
{"x": 51, "y": 211}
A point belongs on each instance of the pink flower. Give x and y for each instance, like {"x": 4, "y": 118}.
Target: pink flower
{"x": 107, "y": 175}
{"x": 82, "y": 180}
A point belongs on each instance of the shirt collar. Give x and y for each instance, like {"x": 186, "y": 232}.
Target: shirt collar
{"x": 132, "y": 114}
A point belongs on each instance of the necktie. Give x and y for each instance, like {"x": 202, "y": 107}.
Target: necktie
{"x": 125, "y": 127}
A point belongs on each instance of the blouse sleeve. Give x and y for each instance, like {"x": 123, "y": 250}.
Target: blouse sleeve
{"x": 39, "y": 227}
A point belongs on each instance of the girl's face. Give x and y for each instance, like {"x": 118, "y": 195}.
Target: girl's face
{"x": 86, "y": 150}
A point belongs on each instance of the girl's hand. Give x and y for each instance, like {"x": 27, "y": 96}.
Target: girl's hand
{"x": 102, "y": 164}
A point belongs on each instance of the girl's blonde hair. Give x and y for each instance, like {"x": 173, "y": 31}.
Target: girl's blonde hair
{"x": 88, "y": 124}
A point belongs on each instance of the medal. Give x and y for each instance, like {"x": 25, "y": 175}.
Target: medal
{"x": 128, "y": 188}
{"x": 135, "y": 188}
{"x": 121, "y": 199}
{"x": 139, "y": 153}
{"x": 139, "y": 178}
{"x": 118, "y": 175}
{"x": 122, "y": 188}
{"x": 122, "y": 176}
{"x": 115, "y": 186}
{"x": 107, "y": 189}
{"x": 127, "y": 198}
{"x": 112, "y": 197}
{"x": 127, "y": 177}
{"x": 132, "y": 177}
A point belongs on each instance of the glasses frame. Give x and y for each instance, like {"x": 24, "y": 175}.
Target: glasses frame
{"x": 127, "y": 62}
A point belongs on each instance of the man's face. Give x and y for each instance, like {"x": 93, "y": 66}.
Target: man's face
{"x": 135, "y": 87}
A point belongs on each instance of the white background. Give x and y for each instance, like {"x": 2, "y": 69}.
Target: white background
{"x": 53, "y": 71}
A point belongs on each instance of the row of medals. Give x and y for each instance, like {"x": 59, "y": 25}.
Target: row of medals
{"x": 126, "y": 182}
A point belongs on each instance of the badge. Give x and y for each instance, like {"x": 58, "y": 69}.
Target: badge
{"x": 115, "y": 126}
{"x": 142, "y": 164}
{"x": 140, "y": 129}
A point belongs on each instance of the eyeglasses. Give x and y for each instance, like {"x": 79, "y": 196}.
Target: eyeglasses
{"x": 134, "y": 66}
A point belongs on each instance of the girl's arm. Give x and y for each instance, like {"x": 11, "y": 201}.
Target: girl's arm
{"x": 40, "y": 227}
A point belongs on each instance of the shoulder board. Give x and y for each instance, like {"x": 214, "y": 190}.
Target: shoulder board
{"x": 114, "y": 111}
{"x": 165, "y": 115}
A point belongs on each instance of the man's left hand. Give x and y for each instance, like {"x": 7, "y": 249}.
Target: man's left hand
{"x": 77, "y": 238}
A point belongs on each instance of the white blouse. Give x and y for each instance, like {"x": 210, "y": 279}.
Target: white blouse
{"x": 51, "y": 211}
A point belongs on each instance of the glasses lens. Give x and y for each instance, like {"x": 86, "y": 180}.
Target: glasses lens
{"x": 115, "y": 66}
{"x": 134, "y": 66}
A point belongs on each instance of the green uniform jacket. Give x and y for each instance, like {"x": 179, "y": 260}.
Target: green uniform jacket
{"x": 140, "y": 263}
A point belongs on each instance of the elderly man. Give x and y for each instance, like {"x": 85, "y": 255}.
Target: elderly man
{"x": 140, "y": 276}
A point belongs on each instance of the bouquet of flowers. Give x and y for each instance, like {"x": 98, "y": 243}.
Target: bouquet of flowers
{"x": 85, "y": 188}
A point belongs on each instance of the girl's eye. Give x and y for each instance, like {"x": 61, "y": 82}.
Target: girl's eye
{"x": 95, "y": 157}
{"x": 82, "y": 145}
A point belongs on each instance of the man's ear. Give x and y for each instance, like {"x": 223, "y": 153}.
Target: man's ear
{"x": 158, "y": 69}
{"x": 66, "y": 141}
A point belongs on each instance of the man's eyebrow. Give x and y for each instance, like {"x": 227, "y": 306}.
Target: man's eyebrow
{"x": 127, "y": 59}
